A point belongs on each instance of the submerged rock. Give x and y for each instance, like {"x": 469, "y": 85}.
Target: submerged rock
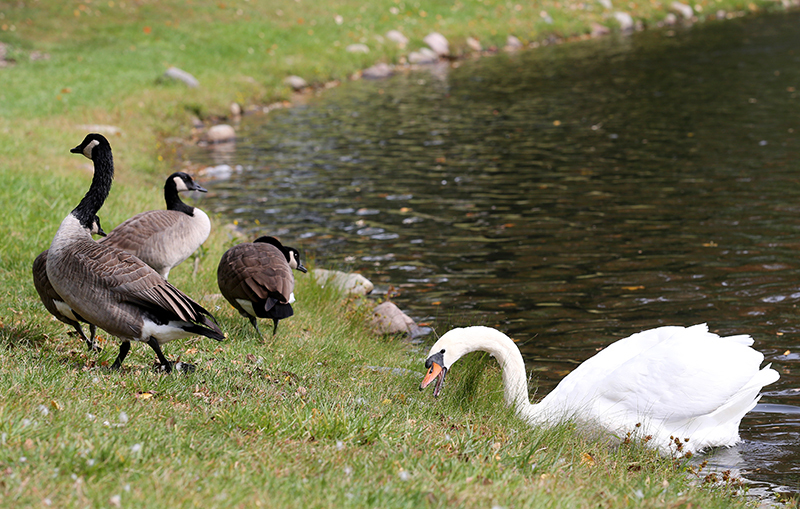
{"x": 377, "y": 71}
{"x": 348, "y": 283}
{"x": 219, "y": 172}
{"x": 423, "y": 56}
{"x": 220, "y": 133}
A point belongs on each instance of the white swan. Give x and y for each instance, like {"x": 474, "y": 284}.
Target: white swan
{"x": 670, "y": 383}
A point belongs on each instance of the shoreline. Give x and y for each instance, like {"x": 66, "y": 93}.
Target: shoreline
{"x": 680, "y": 16}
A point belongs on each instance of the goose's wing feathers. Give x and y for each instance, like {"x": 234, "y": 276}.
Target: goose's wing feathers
{"x": 257, "y": 271}
{"x": 42, "y": 283}
{"x": 133, "y": 281}
{"x": 133, "y": 233}
{"x": 47, "y": 294}
{"x": 272, "y": 280}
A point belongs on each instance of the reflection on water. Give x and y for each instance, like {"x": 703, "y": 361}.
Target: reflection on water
{"x": 570, "y": 195}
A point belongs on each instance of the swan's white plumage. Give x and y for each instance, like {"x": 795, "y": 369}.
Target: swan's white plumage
{"x": 682, "y": 382}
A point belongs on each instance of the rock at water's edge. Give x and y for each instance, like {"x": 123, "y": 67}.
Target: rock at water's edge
{"x": 348, "y": 283}
{"x": 388, "y": 319}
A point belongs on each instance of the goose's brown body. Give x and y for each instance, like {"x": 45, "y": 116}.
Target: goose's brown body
{"x": 55, "y": 304}
{"x": 111, "y": 288}
{"x": 256, "y": 278}
{"x": 164, "y": 238}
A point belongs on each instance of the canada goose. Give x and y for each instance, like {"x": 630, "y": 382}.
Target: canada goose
{"x": 54, "y": 303}
{"x": 164, "y": 238}
{"x": 112, "y": 288}
{"x": 670, "y": 383}
{"x": 256, "y": 278}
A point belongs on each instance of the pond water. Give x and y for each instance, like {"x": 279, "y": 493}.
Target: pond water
{"x": 569, "y": 195}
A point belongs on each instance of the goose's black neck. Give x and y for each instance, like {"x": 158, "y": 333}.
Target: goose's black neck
{"x": 101, "y": 185}
{"x": 173, "y": 199}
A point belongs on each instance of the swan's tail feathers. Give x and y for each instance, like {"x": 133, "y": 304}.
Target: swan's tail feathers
{"x": 722, "y": 426}
{"x": 742, "y": 339}
{"x": 747, "y": 397}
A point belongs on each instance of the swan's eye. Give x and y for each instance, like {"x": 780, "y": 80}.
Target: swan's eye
{"x": 442, "y": 350}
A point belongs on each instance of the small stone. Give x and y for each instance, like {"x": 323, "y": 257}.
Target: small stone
{"x": 599, "y": 30}
{"x": 423, "y": 56}
{"x": 721, "y": 14}
{"x": 397, "y": 38}
{"x": 377, "y": 71}
{"x": 236, "y": 110}
{"x": 625, "y": 21}
{"x": 348, "y": 283}
{"x": 357, "y": 48}
{"x": 670, "y": 19}
{"x": 296, "y": 82}
{"x": 474, "y": 44}
{"x": 220, "y": 132}
{"x": 387, "y": 318}
{"x": 684, "y": 10}
{"x": 174, "y": 73}
{"x": 438, "y": 43}
{"x": 606, "y": 4}
{"x": 513, "y": 43}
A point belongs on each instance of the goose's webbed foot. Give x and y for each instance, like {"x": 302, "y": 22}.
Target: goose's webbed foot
{"x": 180, "y": 367}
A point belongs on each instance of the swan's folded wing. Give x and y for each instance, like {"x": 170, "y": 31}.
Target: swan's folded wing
{"x": 684, "y": 377}
{"x": 582, "y": 380}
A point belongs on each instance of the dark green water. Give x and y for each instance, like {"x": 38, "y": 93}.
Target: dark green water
{"x": 570, "y": 195}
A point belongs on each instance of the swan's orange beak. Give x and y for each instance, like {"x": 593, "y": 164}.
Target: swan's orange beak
{"x": 436, "y": 372}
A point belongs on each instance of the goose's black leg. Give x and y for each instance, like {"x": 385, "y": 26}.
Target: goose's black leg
{"x": 166, "y": 365}
{"x": 275, "y": 326}
{"x": 255, "y": 324}
{"x": 124, "y": 347}
{"x": 93, "y": 346}
{"x": 90, "y": 343}
{"x": 79, "y": 331}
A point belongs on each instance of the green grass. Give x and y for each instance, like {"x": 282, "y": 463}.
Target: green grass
{"x": 298, "y": 420}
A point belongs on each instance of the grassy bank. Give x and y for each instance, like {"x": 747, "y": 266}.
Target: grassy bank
{"x": 303, "y": 418}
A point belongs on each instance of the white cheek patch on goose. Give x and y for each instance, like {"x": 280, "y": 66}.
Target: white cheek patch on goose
{"x": 180, "y": 185}
{"x": 87, "y": 150}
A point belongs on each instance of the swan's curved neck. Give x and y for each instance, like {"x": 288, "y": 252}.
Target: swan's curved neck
{"x": 515, "y": 380}
{"x": 98, "y": 191}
